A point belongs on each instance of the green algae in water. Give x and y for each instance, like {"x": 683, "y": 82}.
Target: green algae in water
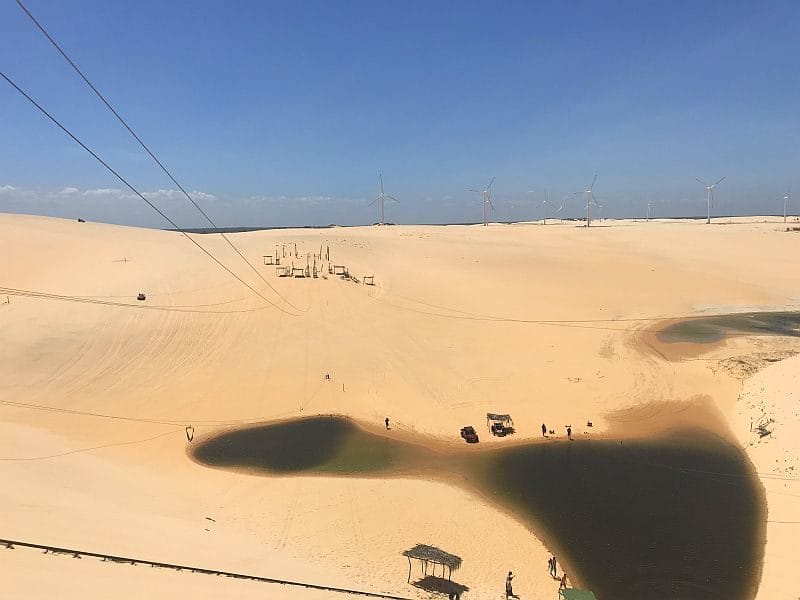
{"x": 313, "y": 445}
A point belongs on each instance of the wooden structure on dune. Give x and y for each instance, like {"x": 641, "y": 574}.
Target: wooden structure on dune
{"x": 433, "y": 555}
{"x": 499, "y": 418}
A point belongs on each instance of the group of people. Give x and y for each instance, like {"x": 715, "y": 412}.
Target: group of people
{"x": 569, "y": 431}
{"x": 552, "y": 568}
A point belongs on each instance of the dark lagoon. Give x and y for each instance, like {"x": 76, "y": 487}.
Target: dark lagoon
{"x": 680, "y": 516}
{"x": 706, "y": 330}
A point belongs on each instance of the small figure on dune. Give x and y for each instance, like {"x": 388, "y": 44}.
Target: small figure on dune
{"x": 386, "y": 420}
{"x": 509, "y": 590}
{"x": 563, "y": 583}
{"x": 553, "y": 568}
{"x": 569, "y": 432}
{"x": 544, "y": 430}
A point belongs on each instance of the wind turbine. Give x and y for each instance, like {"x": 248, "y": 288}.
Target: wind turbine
{"x": 545, "y": 204}
{"x": 649, "y": 206}
{"x": 710, "y": 195}
{"x": 381, "y": 198}
{"x": 786, "y": 197}
{"x": 590, "y": 199}
{"x": 486, "y": 195}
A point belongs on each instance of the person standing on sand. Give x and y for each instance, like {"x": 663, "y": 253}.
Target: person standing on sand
{"x": 563, "y": 583}
{"x": 569, "y": 432}
{"x": 509, "y": 590}
{"x": 553, "y": 568}
{"x": 544, "y": 430}
{"x": 386, "y": 420}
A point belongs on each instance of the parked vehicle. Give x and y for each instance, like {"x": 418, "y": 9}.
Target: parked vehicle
{"x": 141, "y": 296}
{"x": 469, "y": 435}
{"x": 498, "y": 429}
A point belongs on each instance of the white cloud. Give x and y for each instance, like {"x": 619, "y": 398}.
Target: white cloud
{"x": 104, "y": 192}
{"x": 177, "y": 194}
{"x": 68, "y": 191}
{"x": 7, "y": 188}
{"x": 313, "y": 200}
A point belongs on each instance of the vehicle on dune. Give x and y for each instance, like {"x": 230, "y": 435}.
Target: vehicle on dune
{"x": 469, "y": 434}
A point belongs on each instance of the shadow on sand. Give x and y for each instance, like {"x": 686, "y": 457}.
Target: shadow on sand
{"x": 439, "y": 585}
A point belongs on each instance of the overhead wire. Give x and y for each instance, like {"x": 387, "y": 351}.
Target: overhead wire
{"x": 139, "y": 194}
{"x": 198, "y": 309}
{"x": 147, "y": 149}
{"x": 81, "y": 450}
{"x": 152, "y": 421}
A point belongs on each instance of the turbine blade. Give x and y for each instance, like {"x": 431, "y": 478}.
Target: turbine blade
{"x": 393, "y": 198}
{"x": 380, "y": 176}
{"x": 721, "y": 180}
{"x": 374, "y": 201}
{"x": 701, "y": 181}
{"x": 489, "y": 187}
{"x": 591, "y": 187}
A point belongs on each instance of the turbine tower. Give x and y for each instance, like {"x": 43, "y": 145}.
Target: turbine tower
{"x": 381, "y": 198}
{"x": 590, "y": 199}
{"x": 545, "y": 204}
{"x": 649, "y": 206}
{"x": 786, "y": 197}
{"x": 710, "y": 196}
{"x": 486, "y": 195}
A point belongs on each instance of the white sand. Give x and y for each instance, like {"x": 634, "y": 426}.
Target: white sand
{"x": 425, "y": 347}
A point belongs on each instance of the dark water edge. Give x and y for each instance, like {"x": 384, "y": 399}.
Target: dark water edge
{"x": 679, "y": 517}
{"x": 322, "y": 445}
{"x": 675, "y": 517}
{"x": 706, "y": 330}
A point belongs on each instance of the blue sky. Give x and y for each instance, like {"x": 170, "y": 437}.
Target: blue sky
{"x": 284, "y": 113}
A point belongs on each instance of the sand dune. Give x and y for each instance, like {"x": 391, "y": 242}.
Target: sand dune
{"x": 546, "y": 323}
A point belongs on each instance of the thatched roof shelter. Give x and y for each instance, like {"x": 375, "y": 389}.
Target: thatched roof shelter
{"x": 499, "y": 417}
{"x": 431, "y": 554}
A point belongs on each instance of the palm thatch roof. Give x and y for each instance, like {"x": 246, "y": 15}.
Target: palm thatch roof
{"x": 434, "y": 555}
{"x": 498, "y": 417}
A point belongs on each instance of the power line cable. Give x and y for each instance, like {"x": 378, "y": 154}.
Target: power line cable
{"x": 198, "y": 423}
{"x": 135, "y": 191}
{"x": 149, "y": 152}
{"x": 89, "y": 300}
{"x": 81, "y": 450}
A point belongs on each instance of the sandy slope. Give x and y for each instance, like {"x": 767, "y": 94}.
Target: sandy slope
{"x": 772, "y": 397}
{"x": 454, "y": 328}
